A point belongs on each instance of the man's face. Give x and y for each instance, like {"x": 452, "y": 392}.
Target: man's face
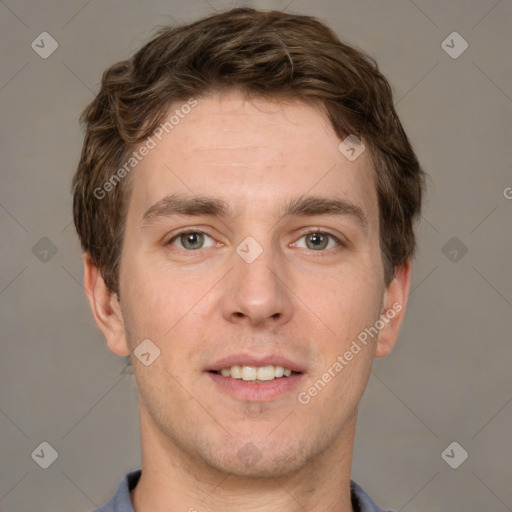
{"x": 209, "y": 299}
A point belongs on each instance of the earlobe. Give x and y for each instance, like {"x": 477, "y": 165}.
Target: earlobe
{"x": 395, "y": 302}
{"x": 105, "y": 308}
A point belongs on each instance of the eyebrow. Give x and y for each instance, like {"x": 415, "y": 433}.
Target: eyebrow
{"x": 177, "y": 204}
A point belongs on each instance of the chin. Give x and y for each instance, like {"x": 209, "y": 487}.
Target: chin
{"x": 261, "y": 460}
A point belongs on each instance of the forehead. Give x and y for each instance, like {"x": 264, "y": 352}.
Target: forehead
{"x": 255, "y": 153}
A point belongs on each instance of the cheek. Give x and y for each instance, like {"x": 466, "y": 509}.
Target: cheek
{"x": 166, "y": 309}
{"x": 151, "y": 305}
{"x": 351, "y": 303}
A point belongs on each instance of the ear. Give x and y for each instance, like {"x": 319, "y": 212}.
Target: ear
{"x": 393, "y": 310}
{"x": 105, "y": 308}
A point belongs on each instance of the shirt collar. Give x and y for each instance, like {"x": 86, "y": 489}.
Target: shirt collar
{"x": 121, "y": 502}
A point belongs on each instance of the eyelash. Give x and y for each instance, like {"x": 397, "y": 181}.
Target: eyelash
{"x": 313, "y": 231}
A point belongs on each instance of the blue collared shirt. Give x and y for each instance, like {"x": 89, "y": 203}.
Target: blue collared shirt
{"x": 121, "y": 501}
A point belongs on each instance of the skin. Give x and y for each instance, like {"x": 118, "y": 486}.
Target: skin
{"x": 198, "y": 306}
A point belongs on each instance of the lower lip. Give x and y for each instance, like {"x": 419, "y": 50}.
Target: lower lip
{"x": 256, "y": 391}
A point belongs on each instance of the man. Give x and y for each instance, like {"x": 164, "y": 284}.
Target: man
{"x": 245, "y": 202}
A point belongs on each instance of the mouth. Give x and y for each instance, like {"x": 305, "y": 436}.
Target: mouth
{"x": 255, "y": 378}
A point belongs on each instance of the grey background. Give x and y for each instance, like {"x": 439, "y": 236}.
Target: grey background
{"x": 448, "y": 378}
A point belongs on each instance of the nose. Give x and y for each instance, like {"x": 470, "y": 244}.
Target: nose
{"x": 257, "y": 293}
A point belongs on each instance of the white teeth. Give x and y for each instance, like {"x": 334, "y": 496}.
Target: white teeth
{"x": 256, "y": 373}
{"x": 249, "y": 372}
{"x": 266, "y": 373}
{"x": 235, "y": 372}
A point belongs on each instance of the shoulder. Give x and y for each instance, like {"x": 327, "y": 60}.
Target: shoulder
{"x": 121, "y": 501}
{"x": 361, "y": 501}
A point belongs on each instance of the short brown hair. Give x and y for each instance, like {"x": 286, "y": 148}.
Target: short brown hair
{"x": 262, "y": 53}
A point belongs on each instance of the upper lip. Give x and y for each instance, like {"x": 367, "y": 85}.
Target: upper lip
{"x": 254, "y": 360}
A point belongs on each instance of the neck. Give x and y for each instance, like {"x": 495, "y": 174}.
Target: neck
{"x": 172, "y": 480}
